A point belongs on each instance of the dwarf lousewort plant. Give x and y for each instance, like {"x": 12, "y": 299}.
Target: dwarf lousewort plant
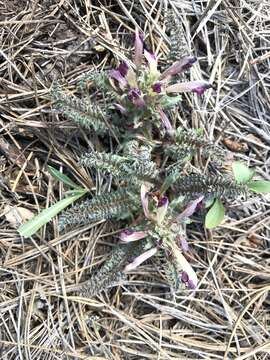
{"x": 149, "y": 168}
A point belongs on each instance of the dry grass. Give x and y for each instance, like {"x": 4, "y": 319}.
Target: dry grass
{"x": 228, "y": 317}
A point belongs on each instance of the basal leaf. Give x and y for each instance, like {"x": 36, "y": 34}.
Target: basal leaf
{"x": 62, "y": 177}
{"x": 215, "y": 215}
{"x": 33, "y": 225}
{"x": 241, "y": 172}
{"x": 259, "y": 186}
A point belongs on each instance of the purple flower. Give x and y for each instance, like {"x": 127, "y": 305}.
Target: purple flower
{"x": 123, "y": 68}
{"x": 178, "y": 67}
{"x": 116, "y": 75}
{"x": 138, "y": 48}
{"x": 162, "y": 209}
{"x": 188, "y": 275}
{"x": 184, "y": 277}
{"x": 198, "y": 87}
{"x": 163, "y": 202}
{"x": 188, "y": 282}
{"x": 130, "y": 235}
{"x": 201, "y": 89}
{"x": 141, "y": 258}
{"x": 157, "y": 87}
{"x": 191, "y": 284}
{"x": 134, "y": 96}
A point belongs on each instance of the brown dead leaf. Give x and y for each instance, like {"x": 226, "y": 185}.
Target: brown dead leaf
{"x": 235, "y": 146}
{"x": 255, "y": 241}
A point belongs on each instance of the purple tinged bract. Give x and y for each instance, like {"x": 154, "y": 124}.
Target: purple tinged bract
{"x": 178, "y": 67}
{"x": 198, "y": 87}
{"x": 138, "y": 56}
{"x": 165, "y": 120}
{"x": 134, "y": 96}
{"x": 141, "y": 258}
{"x": 116, "y": 75}
{"x": 123, "y": 68}
{"x": 129, "y": 235}
{"x": 152, "y": 63}
{"x": 189, "y": 210}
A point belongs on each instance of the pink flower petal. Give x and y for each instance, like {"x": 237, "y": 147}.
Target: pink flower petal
{"x": 130, "y": 235}
{"x": 178, "y": 67}
{"x": 189, "y": 210}
{"x": 138, "y": 48}
{"x": 198, "y": 87}
{"x": 140, "y": 259}
{"x": 116, "y": 75}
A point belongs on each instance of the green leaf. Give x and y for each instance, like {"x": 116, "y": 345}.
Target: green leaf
{"x": 259, "y": 186}
{"x": 241, "y": 172}
{"x": 167, "y": 102}
{"x": 215, "y": 215}
{"x": 63, "y": 178}
{"x": 33, "y": 225}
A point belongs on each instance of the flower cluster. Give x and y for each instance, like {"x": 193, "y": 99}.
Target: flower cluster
{"x": 145, "y": 90}
{"x": 163, "y": 233}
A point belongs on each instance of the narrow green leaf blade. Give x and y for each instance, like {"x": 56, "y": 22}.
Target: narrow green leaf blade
{"x": 33, "y": 225}
{"x": 215, "y": 215}
{"x": 62, "y": 177}
{"x": 259, "y": 186}
{"x": 241, "y": 172}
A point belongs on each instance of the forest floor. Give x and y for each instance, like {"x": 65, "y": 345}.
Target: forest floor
{"x": 228, "y": 316}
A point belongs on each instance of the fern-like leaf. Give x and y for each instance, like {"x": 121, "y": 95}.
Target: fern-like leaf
{"x": 83, "y": 113}
{"x": 210, "y": 186}
{"x": 176, "y": 32}
{"x": 187, "y": 142}
{"x": 111, "y": 273}
{"x": 121, "y": 166}
{"x": 101, "y": 81}
{"x": 105, "y": 206}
